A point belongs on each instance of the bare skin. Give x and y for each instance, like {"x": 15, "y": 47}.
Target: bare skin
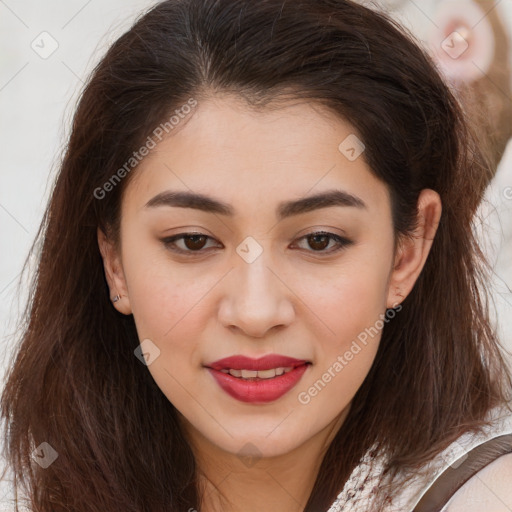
{"x": 298, "y": 298}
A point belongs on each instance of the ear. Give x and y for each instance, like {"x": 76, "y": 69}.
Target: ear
{"x": 114, "y": 273}
{"x": 412, "y": 252}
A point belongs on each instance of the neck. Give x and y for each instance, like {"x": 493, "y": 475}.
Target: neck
{"x": 230, "y": 482}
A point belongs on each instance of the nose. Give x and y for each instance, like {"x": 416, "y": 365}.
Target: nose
{"x": 256, "y": 298}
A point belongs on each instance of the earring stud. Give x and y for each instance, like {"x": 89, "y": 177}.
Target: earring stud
{"x": 116, "y": 298}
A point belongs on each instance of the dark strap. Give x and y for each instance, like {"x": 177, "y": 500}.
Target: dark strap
{"x": 456, "y": 475}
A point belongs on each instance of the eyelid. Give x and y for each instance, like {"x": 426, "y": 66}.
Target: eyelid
{"x": 342, "y": 241}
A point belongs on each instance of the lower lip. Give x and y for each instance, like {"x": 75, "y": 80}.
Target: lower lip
{"x": 258, "y": 391}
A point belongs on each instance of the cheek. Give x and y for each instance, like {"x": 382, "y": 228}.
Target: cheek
{"x": 172, "y": 311}
{"x": 352, "y": 311}
{"x": 165, "y": 297}
{"x": 349, "y": 301}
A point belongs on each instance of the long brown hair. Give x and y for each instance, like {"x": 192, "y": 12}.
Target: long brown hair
{"x": 74, "y": 381}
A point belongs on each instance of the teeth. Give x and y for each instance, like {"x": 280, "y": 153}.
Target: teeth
{"x": 265, "y": 374}
{"x": 260, "y": 374}
{"x": 249, "y": 374}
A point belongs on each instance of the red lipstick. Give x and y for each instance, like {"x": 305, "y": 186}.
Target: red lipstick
{"x": 252, "y": 388}
{"x": 239, "y": 362}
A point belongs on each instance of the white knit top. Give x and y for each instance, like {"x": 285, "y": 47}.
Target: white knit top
{"x": 358, "y": 491}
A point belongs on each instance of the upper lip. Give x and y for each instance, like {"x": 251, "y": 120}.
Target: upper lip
{"x": 239, "y": 362}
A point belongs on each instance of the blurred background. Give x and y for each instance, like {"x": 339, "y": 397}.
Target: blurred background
{"x": 48, "y": 49}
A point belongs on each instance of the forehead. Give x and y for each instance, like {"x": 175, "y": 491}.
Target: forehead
{"x": 228, "y": 150}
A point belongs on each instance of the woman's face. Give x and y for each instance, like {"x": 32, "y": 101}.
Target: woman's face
{"x": 257, "y": 281}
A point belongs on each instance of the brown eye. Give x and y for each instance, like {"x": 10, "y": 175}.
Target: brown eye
{"x": 191, "y": 242}
{"x": 194, "y": 242}
{"x": 319, "y": 242}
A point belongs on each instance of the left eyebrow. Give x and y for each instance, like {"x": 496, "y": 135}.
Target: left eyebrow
{"x": 184, "y": 199}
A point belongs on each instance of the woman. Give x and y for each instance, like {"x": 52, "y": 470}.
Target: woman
{"x": 258, "y": 287}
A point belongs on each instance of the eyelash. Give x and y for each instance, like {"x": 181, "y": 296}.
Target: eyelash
{"x": 343, "y": 242}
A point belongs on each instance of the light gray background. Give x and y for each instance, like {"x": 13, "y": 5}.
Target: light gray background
{"x": 37, "y": 98}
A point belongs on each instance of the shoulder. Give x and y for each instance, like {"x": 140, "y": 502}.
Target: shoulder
{"x": 489, "y": 489}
